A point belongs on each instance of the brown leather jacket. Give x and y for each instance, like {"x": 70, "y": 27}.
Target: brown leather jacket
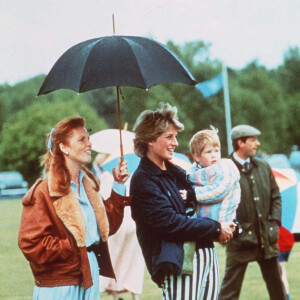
{"x": 52, "y": 234}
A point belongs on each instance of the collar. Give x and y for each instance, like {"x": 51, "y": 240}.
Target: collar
{"x": 54, "y": 184}
{"x": 81, "y": 174}
{"x": 195, "y": 167}
{"x": 152, "y": 169}
{"x": 198, "y": 166}
{"x": 240, "y": 160}
{"x": 67, "y": 207}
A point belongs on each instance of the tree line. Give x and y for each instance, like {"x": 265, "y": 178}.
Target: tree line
{"x": 266, "y": 99}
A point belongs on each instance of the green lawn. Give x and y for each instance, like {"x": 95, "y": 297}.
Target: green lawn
{"x": 17, "y": 281}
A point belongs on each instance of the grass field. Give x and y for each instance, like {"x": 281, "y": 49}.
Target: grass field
{"x": 16, "y": 280}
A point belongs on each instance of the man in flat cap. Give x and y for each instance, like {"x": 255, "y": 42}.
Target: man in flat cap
{"x": 259, "y": 215}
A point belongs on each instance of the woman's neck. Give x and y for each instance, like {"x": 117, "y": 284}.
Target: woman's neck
{"x": 74, "y": 170}
{"x": 157, "y": 161}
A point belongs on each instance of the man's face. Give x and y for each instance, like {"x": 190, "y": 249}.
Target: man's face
{"x": 248, "y": 149}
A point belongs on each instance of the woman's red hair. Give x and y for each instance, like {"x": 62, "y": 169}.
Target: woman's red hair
{"x": 55, "y": 162}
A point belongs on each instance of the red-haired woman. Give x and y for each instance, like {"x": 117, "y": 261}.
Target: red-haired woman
{"x": 65, "y": 224}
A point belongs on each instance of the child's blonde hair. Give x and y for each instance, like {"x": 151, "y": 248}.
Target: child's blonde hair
{"x": 203, "y": 138}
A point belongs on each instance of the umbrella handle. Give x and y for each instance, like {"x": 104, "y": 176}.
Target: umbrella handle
{"x": 116, "y": 178}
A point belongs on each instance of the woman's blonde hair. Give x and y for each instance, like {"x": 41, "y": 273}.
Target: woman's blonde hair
{"x": 151, "y": 124}
{"x": 203, "y": 138}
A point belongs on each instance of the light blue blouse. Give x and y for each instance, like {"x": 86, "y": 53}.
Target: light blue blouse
{"x": 77, "y": 292}
{"x": 92, "y": 234}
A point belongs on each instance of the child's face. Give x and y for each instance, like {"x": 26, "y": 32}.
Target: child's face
{"x": 209, "y": 156}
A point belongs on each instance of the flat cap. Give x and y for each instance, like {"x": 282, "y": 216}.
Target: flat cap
{"x": 243, "y": 130}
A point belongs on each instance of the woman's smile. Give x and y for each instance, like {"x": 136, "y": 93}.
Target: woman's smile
{"x": 163, "y": 147}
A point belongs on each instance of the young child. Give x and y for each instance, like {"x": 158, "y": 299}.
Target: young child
{"x": 215, "y": 180}
{"x": 216, "y": 184}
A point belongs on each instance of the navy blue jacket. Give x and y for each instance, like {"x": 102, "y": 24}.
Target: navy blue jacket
{"x": 159, "y": 213}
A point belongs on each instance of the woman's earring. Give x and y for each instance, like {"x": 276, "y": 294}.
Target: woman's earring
{"x": 67, "y": 153}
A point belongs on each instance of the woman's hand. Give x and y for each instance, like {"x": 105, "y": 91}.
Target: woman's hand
{"x": 121, "y": 173}
{"x": 226, "y": 232}
{"x": 183, "y": 194}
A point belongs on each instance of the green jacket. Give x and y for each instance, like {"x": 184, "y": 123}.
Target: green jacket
{"x": 259, "y": 214}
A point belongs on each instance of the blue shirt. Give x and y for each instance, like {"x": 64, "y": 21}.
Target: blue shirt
{"x": 92, "y": 233}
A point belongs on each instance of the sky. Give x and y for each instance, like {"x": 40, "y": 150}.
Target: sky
{"x": 35, "y": 33}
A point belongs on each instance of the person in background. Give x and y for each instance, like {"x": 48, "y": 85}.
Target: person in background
{"x": 103, "y": 176}
{"x": 125, "y": 251}
{"x": 259, "y": 215}
{"x": 159, "y": 212}
{"x": 285, "y": 244}
{"x": 295, "y": 158}
{"x": 65, "y": 224}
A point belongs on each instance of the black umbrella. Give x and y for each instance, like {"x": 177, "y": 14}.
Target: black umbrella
{"x": 116, "y": 61}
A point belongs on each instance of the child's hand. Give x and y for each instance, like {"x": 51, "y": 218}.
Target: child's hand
{"x": 183, "y": 194}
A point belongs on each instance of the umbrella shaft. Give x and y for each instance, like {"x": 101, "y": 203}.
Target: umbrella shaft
{"x": 113, "y": 19}
{"x": 120, "y": 123}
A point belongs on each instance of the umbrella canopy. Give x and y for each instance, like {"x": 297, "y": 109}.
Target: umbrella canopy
{"x": 133, "y": 161}
{"x": 108, "y": 141}
{"x": 116, "y": 61}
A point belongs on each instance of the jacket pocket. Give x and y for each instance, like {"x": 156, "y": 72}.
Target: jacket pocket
{"x": 247, "y": 238}
{"x": 271, "y": 230}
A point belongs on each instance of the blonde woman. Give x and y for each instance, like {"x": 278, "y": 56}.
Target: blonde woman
{"x": 159, "y": 212}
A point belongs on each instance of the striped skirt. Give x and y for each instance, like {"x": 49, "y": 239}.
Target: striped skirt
{"x": 203, "y": 284}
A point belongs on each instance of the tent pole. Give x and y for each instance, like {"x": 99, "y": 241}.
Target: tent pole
{"x": 227, "y": 108}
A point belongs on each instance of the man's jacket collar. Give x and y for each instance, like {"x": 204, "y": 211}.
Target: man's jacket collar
{"x": 253, "y": 161}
